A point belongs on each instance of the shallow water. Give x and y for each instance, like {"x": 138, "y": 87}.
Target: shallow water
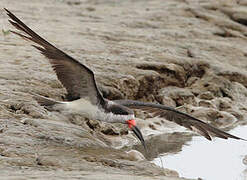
{"x": 219, "y": 159}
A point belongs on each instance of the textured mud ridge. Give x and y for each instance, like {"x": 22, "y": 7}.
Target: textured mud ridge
{"x": 187, "y": 54}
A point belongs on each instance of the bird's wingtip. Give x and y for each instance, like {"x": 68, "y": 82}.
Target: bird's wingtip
{"x": 242, "y": 139}
{"x": 6, "y": 10}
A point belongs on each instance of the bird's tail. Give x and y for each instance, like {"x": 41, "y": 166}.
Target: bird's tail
{"x": 44, "y": 101}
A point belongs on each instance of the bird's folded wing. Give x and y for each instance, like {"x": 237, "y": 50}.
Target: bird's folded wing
{"x": 76, "y": 78}
{"x": 178, "y": 117}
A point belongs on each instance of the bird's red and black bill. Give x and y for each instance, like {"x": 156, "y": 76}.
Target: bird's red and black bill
{"x": 139, "y": 135}
{"x": 132, "y": 125}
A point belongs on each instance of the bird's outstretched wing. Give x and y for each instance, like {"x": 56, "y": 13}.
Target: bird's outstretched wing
{"x": 78, "y": 79}
{"x": 178, "y": 117}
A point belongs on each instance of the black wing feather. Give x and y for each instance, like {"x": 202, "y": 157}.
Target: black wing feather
{"x": 178, "y": 117}
{"x": 78, "y": 79}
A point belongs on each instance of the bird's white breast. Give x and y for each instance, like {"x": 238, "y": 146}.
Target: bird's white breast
{"x": 82, "y": 106}
{"x": 87, "y": 109}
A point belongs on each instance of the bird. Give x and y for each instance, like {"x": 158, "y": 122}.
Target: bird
{"x": 79, "y": 81}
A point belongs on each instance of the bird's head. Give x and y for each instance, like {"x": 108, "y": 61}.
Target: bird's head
{"x": 132, "y": 125}
{"x": 125, "y": 115}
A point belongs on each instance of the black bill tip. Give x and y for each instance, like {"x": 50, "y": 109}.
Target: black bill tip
{"x": 139, "y": 135}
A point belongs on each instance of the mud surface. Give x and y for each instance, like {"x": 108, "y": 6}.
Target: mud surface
{"x": 189, "y": 54}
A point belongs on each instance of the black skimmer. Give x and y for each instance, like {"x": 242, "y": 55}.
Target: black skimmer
{"x": 80, "y": 84}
